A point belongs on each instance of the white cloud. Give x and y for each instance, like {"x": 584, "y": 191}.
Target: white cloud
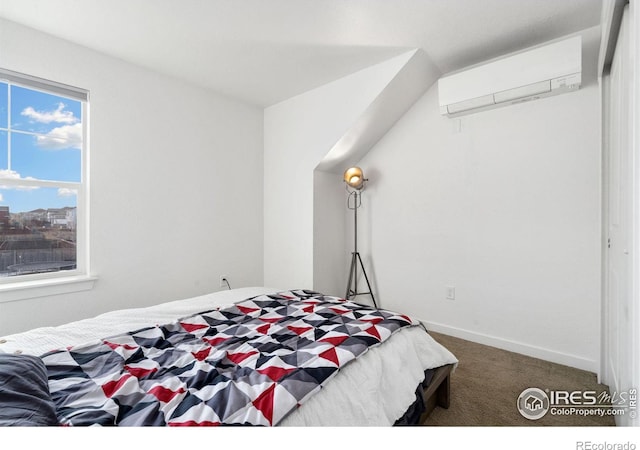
{"x": 66, "y": 136}
{"x": 13, "y": 175}
{"x": 66, "y": 192}
{"x": 1, "y": 198}
{"x": 58, "y": 116}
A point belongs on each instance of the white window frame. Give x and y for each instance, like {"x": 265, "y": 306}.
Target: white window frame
{"x": 66, "y": 281}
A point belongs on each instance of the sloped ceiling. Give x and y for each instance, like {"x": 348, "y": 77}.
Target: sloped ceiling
{"x": 265, "y": 51}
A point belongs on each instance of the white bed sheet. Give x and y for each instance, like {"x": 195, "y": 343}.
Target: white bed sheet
{"x": 374, "y": 390}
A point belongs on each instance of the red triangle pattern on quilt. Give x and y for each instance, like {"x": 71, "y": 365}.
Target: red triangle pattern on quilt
{"x": 140, "y": 372}
{"x": 202, "y": 354}
{"x": 330, "y": 355}
{"x": 111, "y": 387}
{"x": 264, "y": 403}
{"x": 276, "y": 373}
{"x": 239, "y": 357}
{"x": 165, "y": 394}
{"x": 191, "y": 327}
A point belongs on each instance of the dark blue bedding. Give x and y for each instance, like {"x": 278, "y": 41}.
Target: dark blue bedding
{"x": 24, "y": 392}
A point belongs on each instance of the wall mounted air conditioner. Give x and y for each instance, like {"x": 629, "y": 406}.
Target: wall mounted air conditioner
{"x": 528, "y": 75}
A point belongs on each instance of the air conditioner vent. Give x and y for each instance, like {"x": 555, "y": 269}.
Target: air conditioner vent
{"x": 535, "y": 73}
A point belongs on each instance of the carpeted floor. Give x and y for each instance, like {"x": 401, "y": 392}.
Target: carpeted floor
{"x": 487, "y": 382}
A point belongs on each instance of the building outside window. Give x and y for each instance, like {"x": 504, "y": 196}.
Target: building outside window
{"x": 43, "y": 179}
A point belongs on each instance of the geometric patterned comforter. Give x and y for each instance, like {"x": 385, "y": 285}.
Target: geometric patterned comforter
{"x": 248, "y": 364}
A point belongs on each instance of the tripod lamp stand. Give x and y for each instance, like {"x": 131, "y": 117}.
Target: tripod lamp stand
{"x": 355, "y": 184}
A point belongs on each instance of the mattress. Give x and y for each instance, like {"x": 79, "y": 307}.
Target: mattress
{"x": 374, "y": 390}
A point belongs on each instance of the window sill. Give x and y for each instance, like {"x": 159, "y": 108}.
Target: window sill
{"x": 42, "y": 288}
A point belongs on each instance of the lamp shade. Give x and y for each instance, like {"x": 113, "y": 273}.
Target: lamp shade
{"x": 354, "y": 177}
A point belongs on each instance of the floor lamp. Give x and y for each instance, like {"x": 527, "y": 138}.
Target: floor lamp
{"x": 355, "y": 180}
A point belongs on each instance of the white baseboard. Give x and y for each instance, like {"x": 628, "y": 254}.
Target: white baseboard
{"x": 516, "y": 347}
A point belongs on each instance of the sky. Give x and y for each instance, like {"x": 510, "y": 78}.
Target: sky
{"x": 40, "y": 138}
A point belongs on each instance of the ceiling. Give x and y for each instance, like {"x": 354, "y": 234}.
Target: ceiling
{"x": 265, "y": 51}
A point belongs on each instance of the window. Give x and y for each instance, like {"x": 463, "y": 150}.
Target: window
{"x": 43, "y": 182}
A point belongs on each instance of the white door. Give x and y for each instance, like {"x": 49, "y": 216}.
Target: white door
{"x": 618, "y": 300}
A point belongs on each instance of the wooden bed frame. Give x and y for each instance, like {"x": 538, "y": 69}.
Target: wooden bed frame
{"x": 438, "y": 393}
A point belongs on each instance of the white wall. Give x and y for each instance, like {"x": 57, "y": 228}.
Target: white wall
{"x": 506, "y": 210}
{"x": 176, "y": 180}
{"x": 330, "y": 251}
{"x": 298, "y": 134}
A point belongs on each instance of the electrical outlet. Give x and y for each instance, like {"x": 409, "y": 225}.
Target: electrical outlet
{"x": 451, "y": 293}
{"x": 223, "y": 281}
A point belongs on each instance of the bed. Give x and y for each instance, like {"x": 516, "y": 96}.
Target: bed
{"x": 248, "y": 356}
